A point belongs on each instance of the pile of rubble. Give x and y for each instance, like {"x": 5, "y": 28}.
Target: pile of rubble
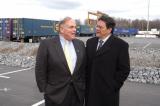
{"x": 145, "y": 63}
{"x": 18, "y": 54}
{"x": 145, "y": 75}
{"x": 145, "y": 57}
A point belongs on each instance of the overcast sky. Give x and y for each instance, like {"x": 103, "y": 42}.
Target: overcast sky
{"x": 58, "y": 9}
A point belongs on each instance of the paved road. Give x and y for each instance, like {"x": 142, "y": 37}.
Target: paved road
{"x": 22, "y": 90}
{"x": 143, "y": 43}
{"x": 136, "y": 94}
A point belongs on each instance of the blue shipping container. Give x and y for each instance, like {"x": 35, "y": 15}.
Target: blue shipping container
{"x": 37, "y": 27}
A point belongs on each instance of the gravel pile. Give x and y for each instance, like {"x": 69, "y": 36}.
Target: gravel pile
{"x": 18, "y": 54}
{"x": 145, "y": 63}
{"x": 145, "y": 75}
{"x": 145, "y": 57}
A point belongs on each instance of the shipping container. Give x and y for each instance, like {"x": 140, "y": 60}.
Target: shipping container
{"x": 86, "y": 30}
{"x": 5, "y": 28}
{"x": 1, "y": 35}
{"x": 25, "y": 28}
{"x": 36, "y": 27}
{"x": 125, "y": 31}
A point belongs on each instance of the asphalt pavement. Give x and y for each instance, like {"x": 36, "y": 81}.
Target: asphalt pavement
{"x": 19, "y": 89}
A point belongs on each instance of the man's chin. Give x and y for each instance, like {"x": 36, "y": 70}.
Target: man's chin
{"x": 98, "y": 35}
{"x": 72, "y": 37}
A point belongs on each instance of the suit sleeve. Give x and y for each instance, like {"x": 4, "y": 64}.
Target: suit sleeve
{"x": 41, "y": 67}
{"x": 123, "y": 66}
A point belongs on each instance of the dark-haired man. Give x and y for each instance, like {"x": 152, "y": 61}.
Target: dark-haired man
{"x": 108, "y": 65}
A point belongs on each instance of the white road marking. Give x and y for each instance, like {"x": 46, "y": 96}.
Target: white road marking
{"x": 4, "y": 77}
{"x": 146, "y": 45}
{"x": 131, "y": 43}
{"x": 39, "y": 103}
{"x": 15, "y": 71}
{"x": 5, "y": 89}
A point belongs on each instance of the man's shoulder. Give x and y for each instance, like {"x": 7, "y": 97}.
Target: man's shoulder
{"x": 79, "y": 41}
{"x": 120, "y": 41}
{"x": 92, "y": 39}
{"x": 49, "y": 40}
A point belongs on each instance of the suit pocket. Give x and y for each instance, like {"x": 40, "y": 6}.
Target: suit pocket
{"x": 55, "y": 87}
{"x": 49, "y": 88}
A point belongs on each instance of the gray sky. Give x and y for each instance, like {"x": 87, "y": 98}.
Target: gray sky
{"x": 58, "y": 9}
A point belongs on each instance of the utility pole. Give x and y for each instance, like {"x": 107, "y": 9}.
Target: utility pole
{"x": 148, "y": 16}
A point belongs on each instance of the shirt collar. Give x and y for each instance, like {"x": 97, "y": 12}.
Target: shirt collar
{"x": 105, "y": 39}
{"x": 63, "y": 39}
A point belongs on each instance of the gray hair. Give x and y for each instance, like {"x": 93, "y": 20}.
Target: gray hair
{"x": 63, "y": 21}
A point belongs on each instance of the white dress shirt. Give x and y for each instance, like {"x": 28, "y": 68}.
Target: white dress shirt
{"x": 72, "y": 51}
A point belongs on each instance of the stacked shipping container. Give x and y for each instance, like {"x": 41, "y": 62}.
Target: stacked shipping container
{"x": 25, "y": 28}
{"x": 5, "y": 28}
{"x": 85, "y": 30}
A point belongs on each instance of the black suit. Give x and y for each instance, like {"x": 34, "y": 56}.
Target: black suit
{"x": 107, "y": 69}
{"x": 52, "y": 72}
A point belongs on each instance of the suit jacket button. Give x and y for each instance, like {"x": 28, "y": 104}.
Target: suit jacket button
{"x": 71, "y": 80}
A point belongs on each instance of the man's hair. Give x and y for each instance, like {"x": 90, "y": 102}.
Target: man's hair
{"x": 63, "y": 21}
{"x": 110, "y": 23}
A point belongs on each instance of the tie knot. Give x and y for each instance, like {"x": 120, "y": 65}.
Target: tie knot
{"x": 101, "y": 41}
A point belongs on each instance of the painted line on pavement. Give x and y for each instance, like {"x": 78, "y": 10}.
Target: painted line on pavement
{"x": 4, "y": 77}
{"x": 15, "y": 71}
{"x": 38, "y": 103}
{"x": 5, "y": 89}
{"x": 147, "y": 45}
{"x": 131, "y": 43}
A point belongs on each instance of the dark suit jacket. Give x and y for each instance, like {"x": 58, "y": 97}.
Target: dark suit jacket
{"x": 52, "y": 72}
{"x": 107, "y": 69}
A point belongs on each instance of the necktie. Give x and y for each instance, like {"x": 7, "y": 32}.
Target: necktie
{"x": 68, "y": 56}
{"x": 100, "y": 44}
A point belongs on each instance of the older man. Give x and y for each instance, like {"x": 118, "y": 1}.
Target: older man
{"x": 60, "y": 67}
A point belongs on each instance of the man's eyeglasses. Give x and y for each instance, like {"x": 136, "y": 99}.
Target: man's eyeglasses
{"x": 100, "y": 27}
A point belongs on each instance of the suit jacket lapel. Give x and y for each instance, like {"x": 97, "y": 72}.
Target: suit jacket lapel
{"x": 106, "y": 46}
{"x": 60, "y": 52}
{"x": 94, "y": 46}
{"x": 79, "y": 55}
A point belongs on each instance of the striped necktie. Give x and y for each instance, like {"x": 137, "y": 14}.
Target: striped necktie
{"x": 100, "y": 44}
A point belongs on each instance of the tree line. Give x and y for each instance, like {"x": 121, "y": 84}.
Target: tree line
{"x": 140, "y": 24}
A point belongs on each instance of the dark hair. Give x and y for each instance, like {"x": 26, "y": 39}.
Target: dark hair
{"x": 110, "y": 23}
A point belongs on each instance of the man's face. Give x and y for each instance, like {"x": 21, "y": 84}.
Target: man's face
{"x": 68, "y": 29}
{"x": 101, "y": 30}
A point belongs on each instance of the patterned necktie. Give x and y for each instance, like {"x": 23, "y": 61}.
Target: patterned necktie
{"x": 100, "y": 44}
{"x": 68, "y": 56}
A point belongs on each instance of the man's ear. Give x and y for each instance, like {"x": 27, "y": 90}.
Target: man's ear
{"x": 61, "y": 29}
{"x": 110, "y": 29}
